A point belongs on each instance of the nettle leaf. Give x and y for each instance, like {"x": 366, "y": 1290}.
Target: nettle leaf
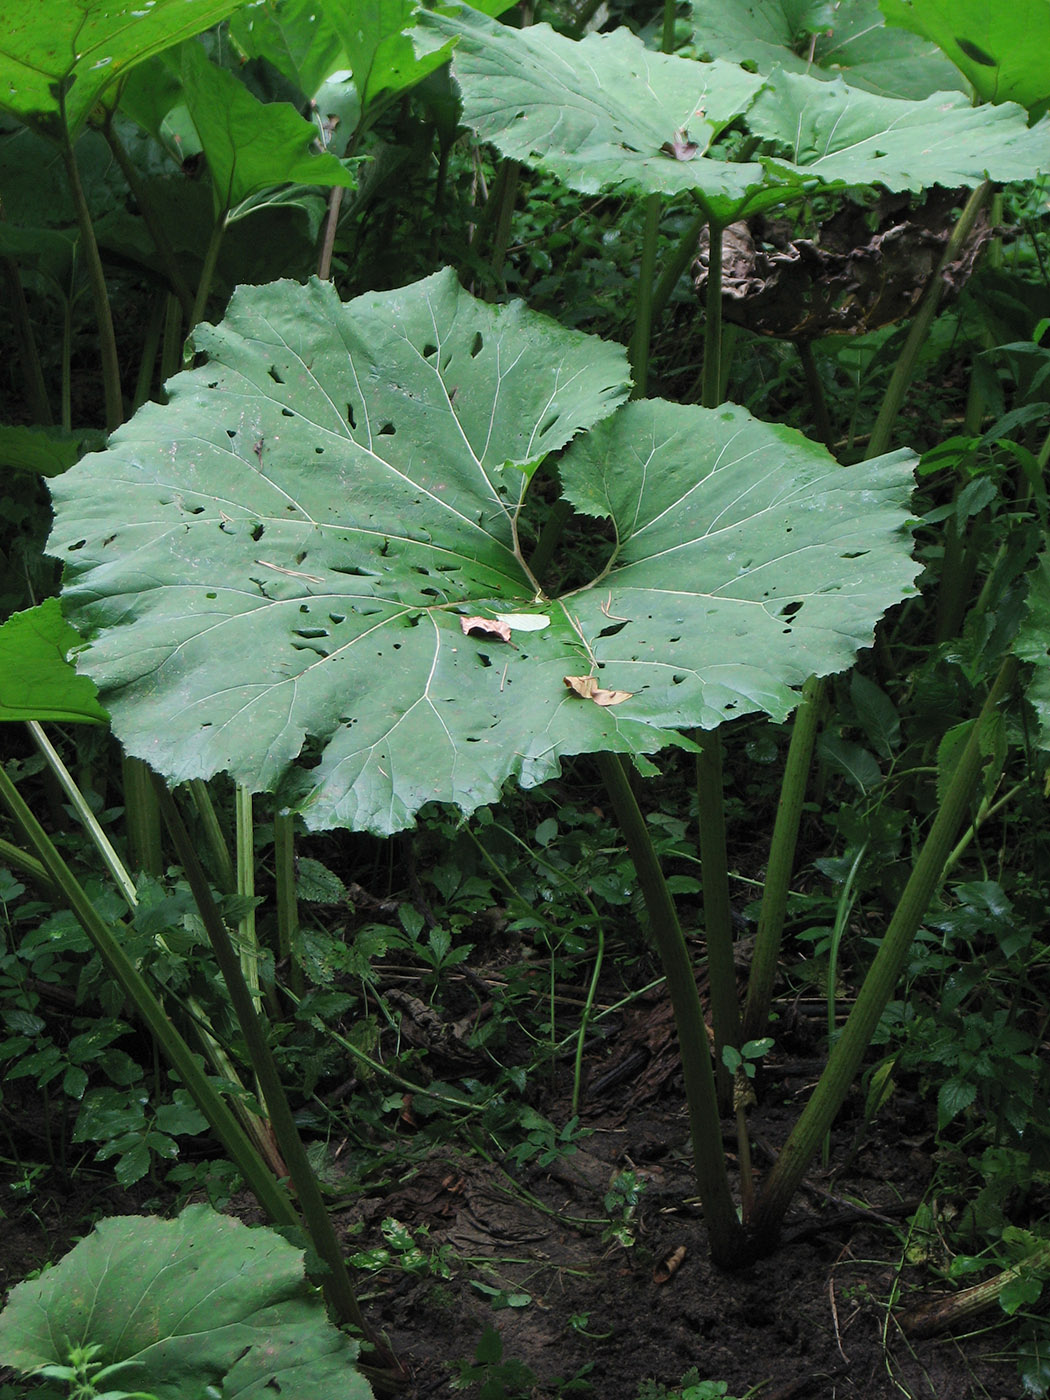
{"x": 312, "y": 527}
{"x": 62, "y": 55}
{"x": 1001, "y": 48}
{"x": 605, "y": 112}
{"x": 1033, "y": 646}
{"x": 199, "y": 1305}
{"x": 824, "y": 40}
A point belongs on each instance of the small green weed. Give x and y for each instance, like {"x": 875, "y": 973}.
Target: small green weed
{"x": 510, "y": 1379}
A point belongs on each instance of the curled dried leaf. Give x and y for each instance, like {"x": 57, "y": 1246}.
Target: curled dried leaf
{"x": 669, "y": 1266}
{"x": 680, "y": 147}
{"x": 485, "y": 627}
{"x": 587, "y": 688}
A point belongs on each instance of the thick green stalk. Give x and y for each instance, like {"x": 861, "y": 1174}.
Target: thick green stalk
{"x": 718, "y": 921}
{"x": 781, "y": 861}
{"x": 171, "y": 345}
{"x": 287, "y": 900}
{"x": 20, "y": 860}
{"x": 85, "y": 815}
{"x": 157, "y": 231}
{"x": 337, "y": 1286}
{"x": 224, "y": 874}
{"x": 847, "y": 1054}
{"x": 667, "y": 35}
{"x": 142, "y": 818}
{"x": 641, "y": 337}
{"x": 506, "y": 194}
{"x": 817, "y": 399}
{"x": 711, "y": 395}
{"x": 921, "y": 322}
{"x": 724, "y": 1230}
{"x": 150, "y": 345}
{"x": 676, "y": 264}
{"x": 271, "y": 1195}
{"x": 97, "y": 280}
{"x": 246, "y": 933}
{"x": 38, "y": 406}
{"x": 638, "y": 350}
{"x": 211, "y": 259}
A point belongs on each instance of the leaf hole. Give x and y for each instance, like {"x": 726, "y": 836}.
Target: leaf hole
{"x": 484, "y": 658}
{"x": 855, "y": 554}
{"x": 387, "y": 430}
{"x": 677, "y": 680}
{"x": 287, "y": 413}
{"x": 79, "y": 545}
{"x": 612, "y": 631}
{"x": 429, "y": 351}
{"x": 275, "y": 374}
{"x": 791, "y": 609}
{"x": 337, "y": 618}
{"x": 476, "y": 345}
{"x": 549, "y": 423}
{"x": 350, "y": 415}
{"x": 318, "y": 450}
{"x": 257, "y": 532}
{"x": 231, "y": 432}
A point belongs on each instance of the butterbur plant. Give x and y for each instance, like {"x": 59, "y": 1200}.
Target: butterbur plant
{"x": 320, "y": 582}
{"x": 318, "y": 566}
{"x": 149, "y": 1309}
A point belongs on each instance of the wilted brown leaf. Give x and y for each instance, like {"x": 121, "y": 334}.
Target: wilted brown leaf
{"x": 485, "y": 627}
{"x": 680, "y": 147}
{"x": 587, "y": 688}
{"x": 669, "y": 1266}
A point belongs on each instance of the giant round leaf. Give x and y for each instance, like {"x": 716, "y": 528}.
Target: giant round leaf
{"x": 192, "y": 1307}
{"x": 605, "y": 112}
{"x": 277, "y": 571}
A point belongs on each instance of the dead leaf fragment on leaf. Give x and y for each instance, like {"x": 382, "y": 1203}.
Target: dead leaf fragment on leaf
{"x": 524, "y": 622}
{"x": 587, "y": 688}
{"x": 680, "y": 147}
{"x": 485, "y": 627}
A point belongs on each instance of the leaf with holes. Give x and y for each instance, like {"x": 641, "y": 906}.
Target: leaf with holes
{"x": 605, "y": 112}
{"x": 196, "y": 1306}
{"x": 318, "y": 564}
{"x": 58, "y": 57}
{"x": 825, "y": 40}
{"x": 1002, "y": 49}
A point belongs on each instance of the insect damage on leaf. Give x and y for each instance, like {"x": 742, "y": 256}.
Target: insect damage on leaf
{"x": 587, "y": 688}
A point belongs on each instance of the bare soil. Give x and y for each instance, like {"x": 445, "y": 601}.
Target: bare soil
{"x": 817, "y": 1320}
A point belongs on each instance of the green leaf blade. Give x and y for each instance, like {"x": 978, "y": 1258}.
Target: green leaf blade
{"x": 60, "y": 56}
{"x": 305, "y": 525}
{"x": 181, "y": 1305}
{"x": 36, "y": 680}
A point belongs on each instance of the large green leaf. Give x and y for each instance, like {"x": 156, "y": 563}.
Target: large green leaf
{"x": 846, "y": 137}
{"x": 307, "y": 524}
{"x": 68, "y": 52}
{"x": 250, "y": 145}
{"x": 604, "y": 113}
{"x": 36, "y": 680}
{"x": 1003, "y": 49}
{"x": 825, "y": 40}
{"x": 200, "y": 1305}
